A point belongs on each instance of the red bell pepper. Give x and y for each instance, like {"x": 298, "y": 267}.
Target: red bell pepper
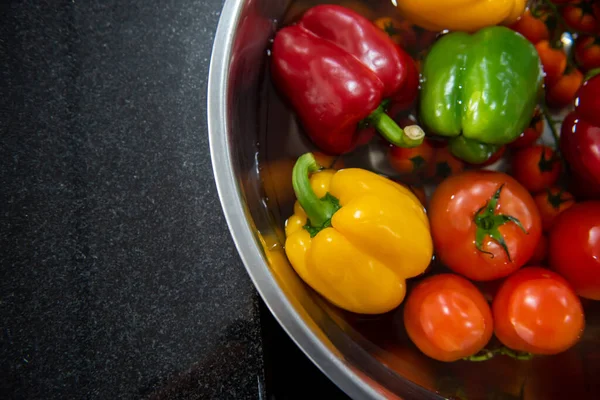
{"x": 336, "y": 68}
{"x": 580, "y": 140}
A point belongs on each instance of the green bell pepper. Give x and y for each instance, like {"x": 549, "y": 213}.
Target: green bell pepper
{"x": 480, "y": 90}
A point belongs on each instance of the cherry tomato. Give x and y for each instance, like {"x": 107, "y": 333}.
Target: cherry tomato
{"x": 327, "y": 161}
{"x": 562, "y": 92}
{"x": 587, "y": 52}
{"x": 536, "y": 167}
{"x": 447, "y": 318}
{"x": 537, "y": 311}
{"x": 484, "y": 224}
{"x": 419, "y": 191}
{"x": 579, "y": 15}
{"x": 360, "y": 7}
{"x": 532, "y": 133}
{"x": 534, "y": 29}
{"x": 410, "y": 161}
{"x": 551, "y": 203}
{"x": 554, "y": 61}
{"x": 541, "y": 252}
{"x": 425, "y": 38}
{"x": 400, "y": 32}
{"x": 444, "y": 164}
{"x": 574, "y": 248}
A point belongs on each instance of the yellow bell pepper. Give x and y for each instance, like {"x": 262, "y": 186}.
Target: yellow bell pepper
{"x": 355, "y": 237}
{"x": 461, "y": 15}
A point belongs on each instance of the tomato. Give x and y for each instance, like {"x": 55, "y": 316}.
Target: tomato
{"x": 360, "y": 7}
{"x": 484, "y": 224}
{"x": 579, "y": 15}
{"x": 327, "y": 161}
{"x": 400, "y": 32}
{"x": 534, "y": 29}
{"x": 447, "y": 318}
{"x": 587, "y": 52}
{"x": 444, "y": 164}
{"x": 410, "y": 161}
{"x": 574, "y": 248}
{"x": 541, "y": 252}
{"x": 554, "y": 61}
{"x": 419, "y": 191}
{"x": 537, "y": 311}
{"x": 532, "y": 133}
{"x": 425, "y": 38}
{"x": 551, "y": 203}
{"x": 536, "y": 167}
{"x": 562, "y": 92}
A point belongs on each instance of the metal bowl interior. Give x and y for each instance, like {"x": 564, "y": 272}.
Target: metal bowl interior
{"x": 254, "y": 142}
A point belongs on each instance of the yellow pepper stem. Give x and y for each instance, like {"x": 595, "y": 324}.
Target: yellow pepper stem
{"x": 319, "y": 211}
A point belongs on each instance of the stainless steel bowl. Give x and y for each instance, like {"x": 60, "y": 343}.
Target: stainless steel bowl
{"x": 234, "y": 119}
{"x": 254, "y": 140}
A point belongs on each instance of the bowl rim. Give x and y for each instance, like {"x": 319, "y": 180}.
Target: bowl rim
{"x": 240, "y": 229}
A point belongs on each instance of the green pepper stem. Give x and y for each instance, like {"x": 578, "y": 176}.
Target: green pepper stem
{"x": 411, "y": 136}
{"x": 319, "y": 211}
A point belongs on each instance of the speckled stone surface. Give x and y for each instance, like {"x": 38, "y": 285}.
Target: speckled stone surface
{"x": 118, "y": 278}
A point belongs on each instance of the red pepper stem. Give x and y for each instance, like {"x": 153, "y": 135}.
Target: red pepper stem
{"x": 319, "y": 211}
{"x": 411, "y": 136}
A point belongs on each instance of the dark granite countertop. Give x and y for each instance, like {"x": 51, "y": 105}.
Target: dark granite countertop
{"x": 119, "y": 278}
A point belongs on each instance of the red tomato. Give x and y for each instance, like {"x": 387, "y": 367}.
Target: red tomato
{"x": 420, "y": 193}
{"x": 579, "y": 15}
{"x": 587, "y": 52}
{"x": 447, "y": 318}
{"x": 410, "y": 161}
{"x": 562, "y": 92}
{"x": 532, "y": 133}
{"x": 484, "y": 224}
{"x": 534, "y": 29}
{"x": 444, "y": 164}
{"x": 553, "y": 60}
{"x": 536, "y": 167}
{"x": 400, "y": 32}
{"x": 551, "y": 203}
{"x": 540, "y": 253}
{"x": 574, "y": 247}
{"x": 537, "y": 311}
{"x": 327, "y": 161}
